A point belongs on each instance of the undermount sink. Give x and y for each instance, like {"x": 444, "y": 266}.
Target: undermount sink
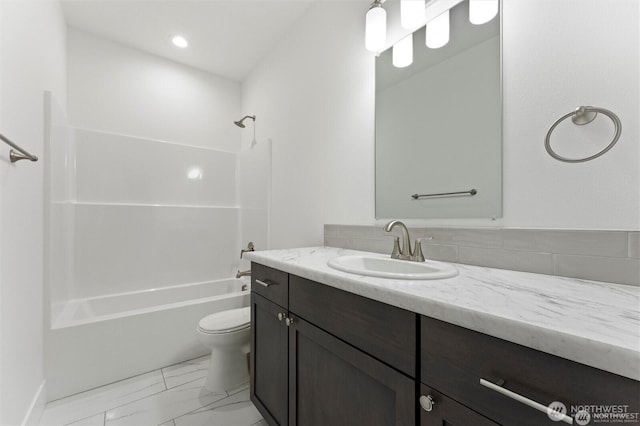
{"x": 385, "y": 267}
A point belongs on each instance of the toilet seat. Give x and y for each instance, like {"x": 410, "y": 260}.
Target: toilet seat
{"x": 226, "y": 321}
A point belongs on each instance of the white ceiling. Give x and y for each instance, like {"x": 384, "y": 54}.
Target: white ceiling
{"x": 226, "y": 37}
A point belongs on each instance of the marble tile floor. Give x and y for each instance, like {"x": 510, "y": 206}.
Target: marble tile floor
{"x": 170, "y": 396}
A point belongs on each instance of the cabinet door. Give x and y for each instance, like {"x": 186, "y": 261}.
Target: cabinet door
{"x": 332, "y": 383}
{"x": 269, "y": 360}
{"x": 443, "y": 411}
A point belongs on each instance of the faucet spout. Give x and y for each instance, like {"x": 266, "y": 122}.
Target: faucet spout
{"x": 405, "y": 253}
{"x": 243, "y": 273}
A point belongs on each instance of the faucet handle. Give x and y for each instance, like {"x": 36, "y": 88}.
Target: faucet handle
{"x": 250, "y": 247}
{"x": 417, "y": 251}
{"x": 395, "y": 254}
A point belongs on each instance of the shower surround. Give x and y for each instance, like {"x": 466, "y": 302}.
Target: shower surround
{"x": 139, "y": 220}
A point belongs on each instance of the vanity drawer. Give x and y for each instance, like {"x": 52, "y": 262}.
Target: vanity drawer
{"x": 455, "y": 359}
{"x": 383, "y": 331}
{"x": 270, "y": 283}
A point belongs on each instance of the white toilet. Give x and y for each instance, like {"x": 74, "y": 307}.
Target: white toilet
{"x": 227, "y": 334}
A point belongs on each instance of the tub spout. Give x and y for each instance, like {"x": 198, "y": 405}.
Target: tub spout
{"x": 243, "y": 273}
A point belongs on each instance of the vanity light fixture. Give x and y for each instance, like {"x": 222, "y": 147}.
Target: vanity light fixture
{"x": 412, "y": 14}
{"x": 437, "y": 31}
{"x": 179, "y": 41}
{"x": 402, "y": 55}
{"x": 376, "y": 27}
{"x": 482, "y": 11}
{"x": 434, "y": 14}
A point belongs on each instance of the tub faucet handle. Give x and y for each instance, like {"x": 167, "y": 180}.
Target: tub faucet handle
{"x": 250, "y": 247}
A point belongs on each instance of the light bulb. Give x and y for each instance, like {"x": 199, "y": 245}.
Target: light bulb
{"x": 482, "y": 11}
{"x": 437, "y": 34}
{"x": 375, "y": 28}
{"x": 402, "y": 54}
{"x": 412, "y": 13}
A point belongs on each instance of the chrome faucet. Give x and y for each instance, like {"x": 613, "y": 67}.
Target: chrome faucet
{"x": 405, "y": 253}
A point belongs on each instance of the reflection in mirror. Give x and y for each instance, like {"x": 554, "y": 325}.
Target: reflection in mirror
{"x": 439, "y": 126}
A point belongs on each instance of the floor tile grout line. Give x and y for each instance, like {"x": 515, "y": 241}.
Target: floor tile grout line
{"x": 157, "y": 393}
{"x": 122, "y": 380}
{"x": 187, "y": 361}
{"x": 200, "y": 408}
{"x": 189, "y": 381}
{"x": 229, "y": 395}
{"x": 102, "y": 386}
{"x": 84, "y": 418}
{"x": 109, "y": 408}
{"x": 184, "y": 374}
{"x": 164, "y": 379}
{"x": 113, "y": 408}
{"x": 132, "y": 401}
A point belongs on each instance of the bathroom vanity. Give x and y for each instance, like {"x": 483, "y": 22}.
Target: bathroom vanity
{"x": 482, "y": 348}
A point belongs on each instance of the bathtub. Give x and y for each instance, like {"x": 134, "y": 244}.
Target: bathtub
{"x": 104, "y": 339}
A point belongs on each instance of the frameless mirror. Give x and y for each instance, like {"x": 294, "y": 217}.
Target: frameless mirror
{"x": 439, "y": 126}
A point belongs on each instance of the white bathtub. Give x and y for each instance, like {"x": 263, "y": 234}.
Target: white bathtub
{"x": 104, "y": 339}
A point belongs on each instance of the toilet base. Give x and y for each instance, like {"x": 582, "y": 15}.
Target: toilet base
{"x": 227, "y": 369}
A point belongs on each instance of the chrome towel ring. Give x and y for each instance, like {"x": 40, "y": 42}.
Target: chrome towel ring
{"x": 581, "y": 116}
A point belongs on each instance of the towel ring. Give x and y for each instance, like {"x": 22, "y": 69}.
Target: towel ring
{"x": 581, "y": 116}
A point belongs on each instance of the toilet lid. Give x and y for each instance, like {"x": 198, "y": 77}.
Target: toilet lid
{"x": 226, "y": 321}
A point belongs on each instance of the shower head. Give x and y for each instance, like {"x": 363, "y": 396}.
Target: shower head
{"x": 240, "y": 123}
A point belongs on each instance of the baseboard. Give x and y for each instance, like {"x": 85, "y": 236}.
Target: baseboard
{"x": 32, "y": 417}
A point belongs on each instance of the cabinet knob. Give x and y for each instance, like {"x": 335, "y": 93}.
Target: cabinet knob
{"x": 288, "y": 321}
{"x": 281, "y": 316}
{"x": 427, "y": 402}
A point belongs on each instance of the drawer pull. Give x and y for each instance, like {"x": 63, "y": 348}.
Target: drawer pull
{"x": 288, "y": 321}
{"x": 265, "y": 283}
{"x": 281, "y": 316}
{"x": 427, "y": 402}
{"x": 526, "y": 401}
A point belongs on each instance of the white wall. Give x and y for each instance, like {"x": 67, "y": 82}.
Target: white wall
{"x": 32, "y": 59}
{"x": 314, "y": 96}
{"x": 548, "y": 74}
{"x": 119, "y": 89}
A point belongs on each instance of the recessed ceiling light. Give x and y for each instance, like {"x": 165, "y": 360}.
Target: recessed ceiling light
{"x": 180, "y": 41}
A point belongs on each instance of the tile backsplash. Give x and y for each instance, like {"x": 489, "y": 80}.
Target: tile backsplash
{"x": 611, "y": 256}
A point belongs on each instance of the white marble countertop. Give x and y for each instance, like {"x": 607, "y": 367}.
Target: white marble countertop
{"x": 594, "y": 323}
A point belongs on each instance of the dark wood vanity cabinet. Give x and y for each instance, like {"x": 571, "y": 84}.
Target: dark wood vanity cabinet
{"x": 322, "y": 356}
{"x": 444, "y": 411}
{"x": 491, "y": 376}
{"x": 330, "y": 357}
{"x": 269, "y": 360}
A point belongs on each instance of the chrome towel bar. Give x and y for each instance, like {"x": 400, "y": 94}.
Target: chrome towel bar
{"x": 470, "y": 192}
{"x": 581, "y": 116}
{"x": 17, "y": 156}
